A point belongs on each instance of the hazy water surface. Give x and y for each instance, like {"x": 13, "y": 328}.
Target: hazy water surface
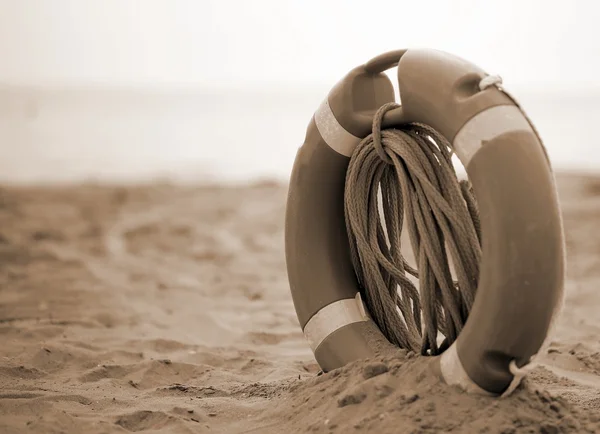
{"x": 130, "y": 135}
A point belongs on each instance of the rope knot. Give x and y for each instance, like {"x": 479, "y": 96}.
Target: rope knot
{"x": 377, "y": 133}
{"x": 490, "y": 80}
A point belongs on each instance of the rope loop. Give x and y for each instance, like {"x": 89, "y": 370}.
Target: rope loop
{"x": 490, "y": 80}
{"x": 404, "y": 178}
{"x": 377, "y": 139}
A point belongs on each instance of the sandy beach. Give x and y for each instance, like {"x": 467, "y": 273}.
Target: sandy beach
{"x": 166, "y": 308}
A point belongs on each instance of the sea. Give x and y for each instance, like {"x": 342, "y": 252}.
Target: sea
{"x": 132, "y": 135}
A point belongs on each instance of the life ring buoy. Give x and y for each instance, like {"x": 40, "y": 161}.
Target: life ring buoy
{"x": 522, "y": 269}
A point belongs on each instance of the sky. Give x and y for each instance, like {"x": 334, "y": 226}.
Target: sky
{"x": 223, "y": 43}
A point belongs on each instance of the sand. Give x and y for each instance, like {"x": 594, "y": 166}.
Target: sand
{"x": 167, "y": 308}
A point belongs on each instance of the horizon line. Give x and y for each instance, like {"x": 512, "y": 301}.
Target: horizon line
{"x": 271, "y": 87}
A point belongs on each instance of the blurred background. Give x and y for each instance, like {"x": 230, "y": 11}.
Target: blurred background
{"x": 129, "y": 91}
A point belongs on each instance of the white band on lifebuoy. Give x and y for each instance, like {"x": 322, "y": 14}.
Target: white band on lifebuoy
{"x": 485, "y": 126}
{"x": 454, "y": 373}
{"x": 334, "y": 134}
{"x": 333, "y": 317}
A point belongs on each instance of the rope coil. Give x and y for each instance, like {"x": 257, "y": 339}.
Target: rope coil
{"x": 411, "y": 170}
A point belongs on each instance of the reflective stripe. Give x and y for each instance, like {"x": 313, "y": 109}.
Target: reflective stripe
{"x": 334, "y": 134}
{"x": 485, "y": 126}
{"x": 332, "y": 317}
{"x": 455, "y": 375}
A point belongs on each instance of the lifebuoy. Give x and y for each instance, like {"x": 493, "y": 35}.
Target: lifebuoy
{"x": 522, "y": 270}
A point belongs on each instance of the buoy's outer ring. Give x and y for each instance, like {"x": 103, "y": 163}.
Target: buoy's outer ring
{"x": 322, "y": 279}
{"x": 522, "y": 269}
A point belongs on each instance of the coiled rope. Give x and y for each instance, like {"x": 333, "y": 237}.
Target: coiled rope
{"x": 411, "y": 170}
